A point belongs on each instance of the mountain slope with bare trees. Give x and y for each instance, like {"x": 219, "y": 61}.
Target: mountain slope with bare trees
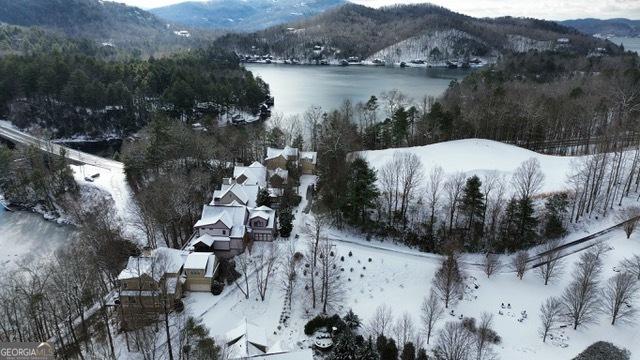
{"x": 354, "y": 30}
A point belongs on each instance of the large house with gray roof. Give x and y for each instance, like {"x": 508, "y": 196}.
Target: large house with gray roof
{"x": 233, "y": 219}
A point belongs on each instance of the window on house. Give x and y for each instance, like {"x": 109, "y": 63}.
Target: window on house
{"x": 224, "y": 232}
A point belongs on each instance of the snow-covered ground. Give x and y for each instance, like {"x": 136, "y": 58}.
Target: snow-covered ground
{"x": 380, "y": 273}
{"x": 401, "y": 279}
{"x": 112, "y": 181}
{"x": 478, "y": 156}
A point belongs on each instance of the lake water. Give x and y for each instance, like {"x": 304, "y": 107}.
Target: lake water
{"x": 26, "y": 236}
{"x": 296, "y": 88}
{"x": 632, "y": 44}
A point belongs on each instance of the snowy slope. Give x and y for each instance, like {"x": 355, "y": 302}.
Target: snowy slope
{"x": 477, "y": 156}
{"x": 450, "y": 43}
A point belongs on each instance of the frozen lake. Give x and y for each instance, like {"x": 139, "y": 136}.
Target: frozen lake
{"x": 298, "y": 87}
{"x": 26, "y": 236}
{"x": 630, "y": 43}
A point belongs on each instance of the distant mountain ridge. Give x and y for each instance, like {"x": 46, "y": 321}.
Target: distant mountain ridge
{"x": 242, "y": 15}
{"x": 79, "y": 17}
{"x": 104, "y": 22}
{"x": 606, "y": 27}
{"x": 406, "y": 32}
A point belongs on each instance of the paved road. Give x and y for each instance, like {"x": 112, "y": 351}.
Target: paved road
{"x": 19, "y": 137}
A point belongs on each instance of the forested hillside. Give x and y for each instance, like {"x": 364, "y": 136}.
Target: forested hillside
{"x": 391, "y": 32}
{"x": 109, "y": 23}
{"x": 616, "y": 27}
{"x": 73, "y": 93}
{"x": 240, "y": 15}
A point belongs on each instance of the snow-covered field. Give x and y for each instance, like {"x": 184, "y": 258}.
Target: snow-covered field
{"x": 478, "y": 156}
{"x": 402, "y": 279}
{"x": 380, "y": 273}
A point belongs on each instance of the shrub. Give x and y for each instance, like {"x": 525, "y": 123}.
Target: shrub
{"x": 603, "y": 350}
{"x": 217, "y": 287}
{"x": 228, "y": 272}
{"x": 327, "y": 322}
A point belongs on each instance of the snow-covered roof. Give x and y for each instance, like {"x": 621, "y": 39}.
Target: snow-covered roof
{"x": 161, "y": 261}
{"x": 246, "y": 193}
{"x": 287, "y": 152}
{"x": 206, "y": 239}
{"x": 197, "y": 261}
{"x": 310, "y": 156}
{"x": 255, "y": 173}
{"x": 212, "y": 264}
{"x": 263, "y": 212}
{"x": 246, "y": 340}
{"x": 306, "y": 354}
{"x": 232, "y": 216}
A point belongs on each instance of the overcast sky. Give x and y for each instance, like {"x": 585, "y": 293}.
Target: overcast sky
{"x": 543, "y": 9}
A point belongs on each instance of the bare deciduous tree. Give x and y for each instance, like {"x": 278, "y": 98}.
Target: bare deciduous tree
{"x": 404, "y": 330}
{"x": 632, "y": 265}
{"x": 519, "y": 263}
{"x": 550, "y": 315}
{"x": 331, "y": 286}
{"x": 315, "y": 230}
{"x": 265, "y": 266}
{"x": 528, "y": 178}
{"x": 411, "y": 177}
{"x": 380, "y": 323}
{"x": 453, "y": 188}
{"x": 448, "y": 281}
{"x": 243, "y": 262}
{"x": 581, "y": 298}
{"x": 485, "y": 337}
{"x": 434, "y": 189}
{"x": 431, "y": 313}
{"x": 551, "y": 262}
{"x": 491, "y": 264}
{"x": 630, "y": 217}
{"x": 619, "y": 295}
{"x": 289, "y": 272}
{"x": 454, "y": 342}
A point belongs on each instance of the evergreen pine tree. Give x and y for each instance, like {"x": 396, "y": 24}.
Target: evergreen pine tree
{"x": 528, "y": 222}
{"x": 408, "y": 352}
{"x": 518, "y": 226}
{"x": 263, "y": 198}
{"x": 361, "y": 191}
{"x": 345, "y": 347}
{"x": 390, "y": 351}
{"x": 422, "y": 354}
{"x": 298, "y": 142}
{"x": 367, "y": 351}
{"x": 381, "y": 343}
{"x": 400, "y": 126}
{"x": 352, "y": 320}
{"x": 472, "y": 206}
{"x": 556, "y": 210}
{"x": 285, "y": 218}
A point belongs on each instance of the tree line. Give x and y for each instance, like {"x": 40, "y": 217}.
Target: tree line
{"x": 72, "y": 93}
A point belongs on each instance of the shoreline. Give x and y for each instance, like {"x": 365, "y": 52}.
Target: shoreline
{"x": 408, "y": 64}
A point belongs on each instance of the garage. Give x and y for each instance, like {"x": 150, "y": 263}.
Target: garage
{"x": 199, "y": 287}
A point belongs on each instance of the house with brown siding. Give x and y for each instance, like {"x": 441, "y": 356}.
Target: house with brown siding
{"x": 200, "y": 269}
{"x": 149, "y": 285}
{"x": 278, "y": 158}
